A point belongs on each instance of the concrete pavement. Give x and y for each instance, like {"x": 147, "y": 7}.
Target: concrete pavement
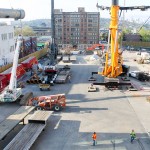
{"x": 112, "y": 114}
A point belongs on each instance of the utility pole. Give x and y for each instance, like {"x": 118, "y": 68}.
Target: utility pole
{"x": 53, "y": 47}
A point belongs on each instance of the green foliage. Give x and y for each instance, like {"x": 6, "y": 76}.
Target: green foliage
{"x": 145, "y": 35}
{"x": 25, "y": 31}
{"x": 104, "y": 36}
{"x": 126, "y": 30}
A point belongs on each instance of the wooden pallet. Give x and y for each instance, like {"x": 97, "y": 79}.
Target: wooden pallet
{"x": 13, "y": 120}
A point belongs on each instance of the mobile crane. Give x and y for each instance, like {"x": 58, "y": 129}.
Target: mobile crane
{"x": 12, "y": 93}
{"x": 114, "y": 66}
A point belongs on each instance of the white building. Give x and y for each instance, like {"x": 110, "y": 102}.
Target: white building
{"x": 7, "y": 44}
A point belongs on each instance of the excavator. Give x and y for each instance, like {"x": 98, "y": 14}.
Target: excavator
{"x": 95, "y": 46}
{"x": 113, "y": 66}
{"x": 12, "y": 93}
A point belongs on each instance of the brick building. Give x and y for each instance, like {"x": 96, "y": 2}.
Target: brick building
{"x": 29, "y": 45}
{"x": 79, "y": 29}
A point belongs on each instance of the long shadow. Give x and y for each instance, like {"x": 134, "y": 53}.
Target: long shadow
{"x": 67, "y": 135}
{"x": 77, "y": 109}
{"x": 84, "y": 100}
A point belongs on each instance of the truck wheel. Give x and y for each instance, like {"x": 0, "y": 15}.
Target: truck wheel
{"x": 57, "y": 108}
{"x": 38, "y": 108}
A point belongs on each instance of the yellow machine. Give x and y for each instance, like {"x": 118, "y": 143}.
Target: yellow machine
{"x": 113, "y": 66}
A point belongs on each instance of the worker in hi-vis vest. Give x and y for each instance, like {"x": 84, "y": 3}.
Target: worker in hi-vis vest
{"x": 133, "y": 136}
{"x": 94, "y": 136}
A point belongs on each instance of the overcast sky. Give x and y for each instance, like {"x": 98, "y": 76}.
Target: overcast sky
{"x": 41, "y": 9}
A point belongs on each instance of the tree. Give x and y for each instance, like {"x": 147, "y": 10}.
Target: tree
{"x": 104, "y": 36}
{"x": 25, "y": 31}
{"x": 145, "y": 35}
{"x": 121, "y": 36}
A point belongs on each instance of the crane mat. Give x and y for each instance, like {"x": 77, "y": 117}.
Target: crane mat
{"x": 13, "y": 120}
{"x": 26, "y": 137}
{"x": 40, "y": 117}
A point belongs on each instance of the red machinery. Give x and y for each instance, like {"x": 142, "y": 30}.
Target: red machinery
{"x": 28, "y": 63}
{"x": 50, "y": 102}
{"x": 100, "y": 46}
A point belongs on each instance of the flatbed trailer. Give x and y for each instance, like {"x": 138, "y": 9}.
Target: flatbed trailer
{"x": 28, "y": 135}
{"x": 62, "y": 75}
{"x": 62, "y": 78}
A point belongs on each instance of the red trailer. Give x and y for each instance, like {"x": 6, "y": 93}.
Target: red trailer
{"x": 20, "y": 72}
{"x": 28, "y": 63}
{"x": 3, "y": 82}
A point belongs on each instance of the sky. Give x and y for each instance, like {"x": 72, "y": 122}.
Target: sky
{"x": 41, "y": 9}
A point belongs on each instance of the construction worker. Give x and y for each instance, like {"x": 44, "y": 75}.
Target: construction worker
{"x": 94, "y": 136}
{"x": 133, "y": 136}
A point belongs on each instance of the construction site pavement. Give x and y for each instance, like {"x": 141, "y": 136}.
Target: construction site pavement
{"x": 111, "y": 114}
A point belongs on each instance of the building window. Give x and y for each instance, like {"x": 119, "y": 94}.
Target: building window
{"x": 4, "y": 36}
{"x": 10, "y": 35}
{"x": 11, "y": 48}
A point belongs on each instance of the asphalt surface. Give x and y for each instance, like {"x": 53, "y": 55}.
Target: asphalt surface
{"x": 111, "y": 114}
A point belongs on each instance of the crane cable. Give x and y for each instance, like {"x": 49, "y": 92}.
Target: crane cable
{"x": 143, "y": 24}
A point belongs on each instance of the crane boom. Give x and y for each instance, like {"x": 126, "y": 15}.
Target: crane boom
{"x": 12, "y": 13}
{"x": 13, "y": 77}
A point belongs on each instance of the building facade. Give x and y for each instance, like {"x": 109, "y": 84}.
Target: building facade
{"x": 7, "y": 44}
{"x": 132, "y": 37}
{"x": 79, "y": 29}
{"x": 41, "y": 31}
{"x": 29, "y": 45}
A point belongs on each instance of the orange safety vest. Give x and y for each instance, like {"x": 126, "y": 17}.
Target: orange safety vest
{"x": 94, "y": 136}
